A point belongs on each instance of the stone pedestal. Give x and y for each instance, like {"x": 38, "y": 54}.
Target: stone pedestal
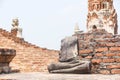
{"x": 6, "y": 56}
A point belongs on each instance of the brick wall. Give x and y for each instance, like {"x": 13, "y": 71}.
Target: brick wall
{"x": 107, "y": 57}
{"x": 28, "y": 57}
{"x": 99, "y": 47}
{"x": 102, "y": 49}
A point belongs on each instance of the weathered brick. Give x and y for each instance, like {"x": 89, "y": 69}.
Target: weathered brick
{"x": 108, "y": 60}
{"x": 89, "y": 57}
{"x": 100, "y": 40}
{"x": 101, "y": 49}
{"x": 101, "y": 44}
{"x": 117, "y": 59}
{"x": 96, "y": 61}
{"x": 85, "y": 51}
{"x": 113, "y": 67}
{"x": 110, "y": 54}
{"x": 104, "y": 72}
{"x": 115, "y": 71}
{"x": 110, "y": 44}
{"x": 114, "y": 39}
{"x": 117, "y": 44}
{"x": 99, "y": 55}
{"x": 115, "y": 49}
{"x": 117, "y": 54}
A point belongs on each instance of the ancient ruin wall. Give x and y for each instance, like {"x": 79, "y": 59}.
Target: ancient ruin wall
{"x": 102, "y": 49}
{"x": 29, "y": 57}
{"x": 102, "y": 14}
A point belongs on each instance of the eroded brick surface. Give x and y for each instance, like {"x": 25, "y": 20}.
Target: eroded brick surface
{"x": 115, "y": 71}
{"x": 102, "y": 49}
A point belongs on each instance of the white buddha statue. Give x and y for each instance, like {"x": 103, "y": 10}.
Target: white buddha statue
{"x": 15, "y": 24}
{"x": 76, "y": 29}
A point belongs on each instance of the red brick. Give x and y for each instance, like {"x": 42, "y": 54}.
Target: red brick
{"x": 108, "y": 60}
{"x": 115, "y": 71}
{"x": 117, "y": 54}
{"x": 101, "y": 45}
{"x": 96, "y": 61}
{"x": 36, "y": 63}
{"x": 89, "y": 57}
{"x": 85, "y": 51}
{"x": 117, "y": 44}
{"x": 101, "y": 49}
{"x": 113, "y": 67}
{"x": 104, "y": 72}
{"x": 110, "y": 54}
{"x": 98, "y": 54}
{"x": 117, "y": 59}
{"x": 115, "y": 49}
{"x": 100, "y": 40}
{"x": 110, "y": 44}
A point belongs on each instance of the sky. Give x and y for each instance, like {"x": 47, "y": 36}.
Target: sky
{"x": 46, "y": 22}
